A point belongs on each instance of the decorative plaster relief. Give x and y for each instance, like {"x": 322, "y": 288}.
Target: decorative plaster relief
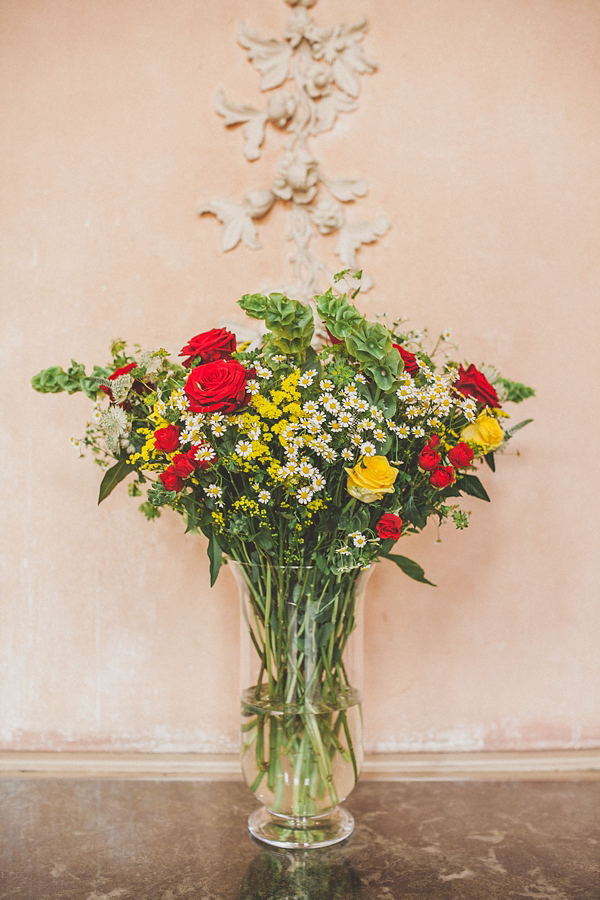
{"x": 313, "y": 74}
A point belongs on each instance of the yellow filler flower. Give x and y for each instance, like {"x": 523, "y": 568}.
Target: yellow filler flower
{"x": 371, "y": 478}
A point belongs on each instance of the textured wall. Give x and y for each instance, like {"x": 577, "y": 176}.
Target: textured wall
{"x": 480, "y": 138}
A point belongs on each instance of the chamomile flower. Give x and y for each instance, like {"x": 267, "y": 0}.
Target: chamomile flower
{"x": 335, "y": 426}
{"x": 319, "y": 418}
{"x": 356, "y": 439}
{"x": 330, "y": 404}
{"x": 304, "y": 495}
{"x": 326, "y": 384}
{"x": 254, "y": 433}
{"x": 368, "y": 448}
{"x": 262, "y": 371}
{"x": 379, "y": 435}
{"x": 345, "y": 419}
{"x": 347, "y": 454}
{"x": 329, "y": 455}
{"x": 376, "y": 413}
{"x": 412, "y": 412}
{"x": 305, "y": 469}
{"x": 360, "y": 378}
{"x": 307, "y": 378}
{"x": 418, "y": 431}
{"x": 243, "y": 448}
{"x": 264, "y": 496}
{"x": 402, "y": 431}
{"x": 361, "y": 405}
{"x": 96, "y": 414}
{"x": 318, "y": 482}
{"x": 219, "y": 429}
{"x": 310, "y": 408}
{"x": 252, "y": 387}
{"x": 404, "y": 392}
{"x": 278, "y": 358}
{"x": 367, "y": 425}
{"x": 214, "y": 491}
{"x": 446, "y": 335}
{"x": 359, "y": 540}
{"x": 205, "y": 453}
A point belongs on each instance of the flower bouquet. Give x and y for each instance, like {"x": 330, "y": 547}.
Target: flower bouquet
{"x": 302, "y": 467}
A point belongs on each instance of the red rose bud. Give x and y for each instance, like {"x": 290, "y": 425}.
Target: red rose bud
{"x": 218, "y": 343}
{"x": 433, "y": 442}
{"x": 389, "y": 526}
{"x": 429, "y": 460}
{"x": 461, "y": 456}
{"x": 409, "y": 359}
{"x": 170, "y": 480}
{"x": 182, "y": 465}
{"x": 442, "y": 477}
{"x": 167, "y": 439}
{"x": 124, "y": 370}
{"x": 333, "y": 339}
{"x": 473, "y": 383}
{"x": 217, "y": 387}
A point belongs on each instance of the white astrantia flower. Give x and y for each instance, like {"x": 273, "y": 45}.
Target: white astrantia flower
{"x": 304, "y": 495}
{"x": 368, "y": 449}
{"x": 115, "y": 425}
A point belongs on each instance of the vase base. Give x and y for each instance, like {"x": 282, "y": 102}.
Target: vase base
{"x": 303, "y": 832}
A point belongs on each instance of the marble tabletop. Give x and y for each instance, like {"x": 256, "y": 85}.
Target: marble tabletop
{"x": 63, "y": 839}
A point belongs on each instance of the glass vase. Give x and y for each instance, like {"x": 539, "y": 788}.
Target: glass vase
{"x": 301, "y": 682}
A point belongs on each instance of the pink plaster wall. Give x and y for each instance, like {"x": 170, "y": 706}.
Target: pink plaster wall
{"x": 480, "y": 138}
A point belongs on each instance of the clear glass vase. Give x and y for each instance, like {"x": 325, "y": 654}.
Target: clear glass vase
{"x": 301, "y": 683}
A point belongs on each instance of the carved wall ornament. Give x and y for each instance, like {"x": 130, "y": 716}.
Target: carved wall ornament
{"x": 313, "y": 75}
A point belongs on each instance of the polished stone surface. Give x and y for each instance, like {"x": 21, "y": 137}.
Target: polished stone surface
{"x": 105, "y": 839}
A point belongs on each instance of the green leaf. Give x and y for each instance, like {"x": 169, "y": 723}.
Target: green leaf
{"x": 410, "y": 568}
{"x": 510, "y": 431}
{"x": 215, "y": 555}
{"x": 324, "y": 633}
{"x": 470, "y": 484}
{"x": 489, "y": 458}
{"x": 112, "y": 477}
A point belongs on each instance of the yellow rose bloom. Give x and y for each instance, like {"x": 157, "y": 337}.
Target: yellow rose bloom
{"x": 371, "y": 478}
{"x": 484, "y": 431}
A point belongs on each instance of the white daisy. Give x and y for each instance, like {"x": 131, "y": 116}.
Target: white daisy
{"x": 252, "y": 387}
{"x": 264, "y": 496}
{"x": 347, "y": 454}
{"x": 368, "y": 449}
{"x": 305, "y": 495}
{"x": 345, "y": 419}
{"x": 359, "y": 540}
{"x": 310, "y": 408}
{"x": 418, "y": 431}
{"x": 305, "y": 469}
{"x": 318, "y": 482}
{"x": 326, "y": 385}
{"x": 330, "y": 404}
{"x": 307, "y": 378}
{"x": 243, "y": 448}
{"x": 213, "y": 490}
{"x": 379, "y": 435}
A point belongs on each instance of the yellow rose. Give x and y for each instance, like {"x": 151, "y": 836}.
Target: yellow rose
{"x": 371, "y": 478}
{"x": 484, "y": 431}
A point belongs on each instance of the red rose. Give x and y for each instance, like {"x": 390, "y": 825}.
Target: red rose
{"x": 473, "y": 383}
{"x": 217, "y": 386}
{"x": 461, "y": 456}
{"x": 170, "y": 480}
{"x": 218, "y": 343}
{"x": 433, "y": 442}
{"x": 182, "y": 465}
{"x": 429, "y": 460}
{"x": 167, "y": 439}
{"x": 410, "y": 360}
{"x": 442, "y": 477}
{"x": 389, "y": 526}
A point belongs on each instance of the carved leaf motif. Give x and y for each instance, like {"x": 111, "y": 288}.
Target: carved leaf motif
{"x": 237, "y": 224}
{"x": 327, "y": 110}
{"x": 345, "y": 78}
{"x": 351, "y": 237}
{"x": 254, "y": 119}
{"x": 270, "y": 57}
{"x": 345, "y": 189}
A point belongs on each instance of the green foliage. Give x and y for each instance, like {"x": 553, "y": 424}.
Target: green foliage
{"x": 470, "y": 484}
{"x": 410, "y": 568}
{"x": 112, "y": 477}
{"x": 56, "y": 380}
{"x": 512, "y": 391}
{"x": 291, "y": 323}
